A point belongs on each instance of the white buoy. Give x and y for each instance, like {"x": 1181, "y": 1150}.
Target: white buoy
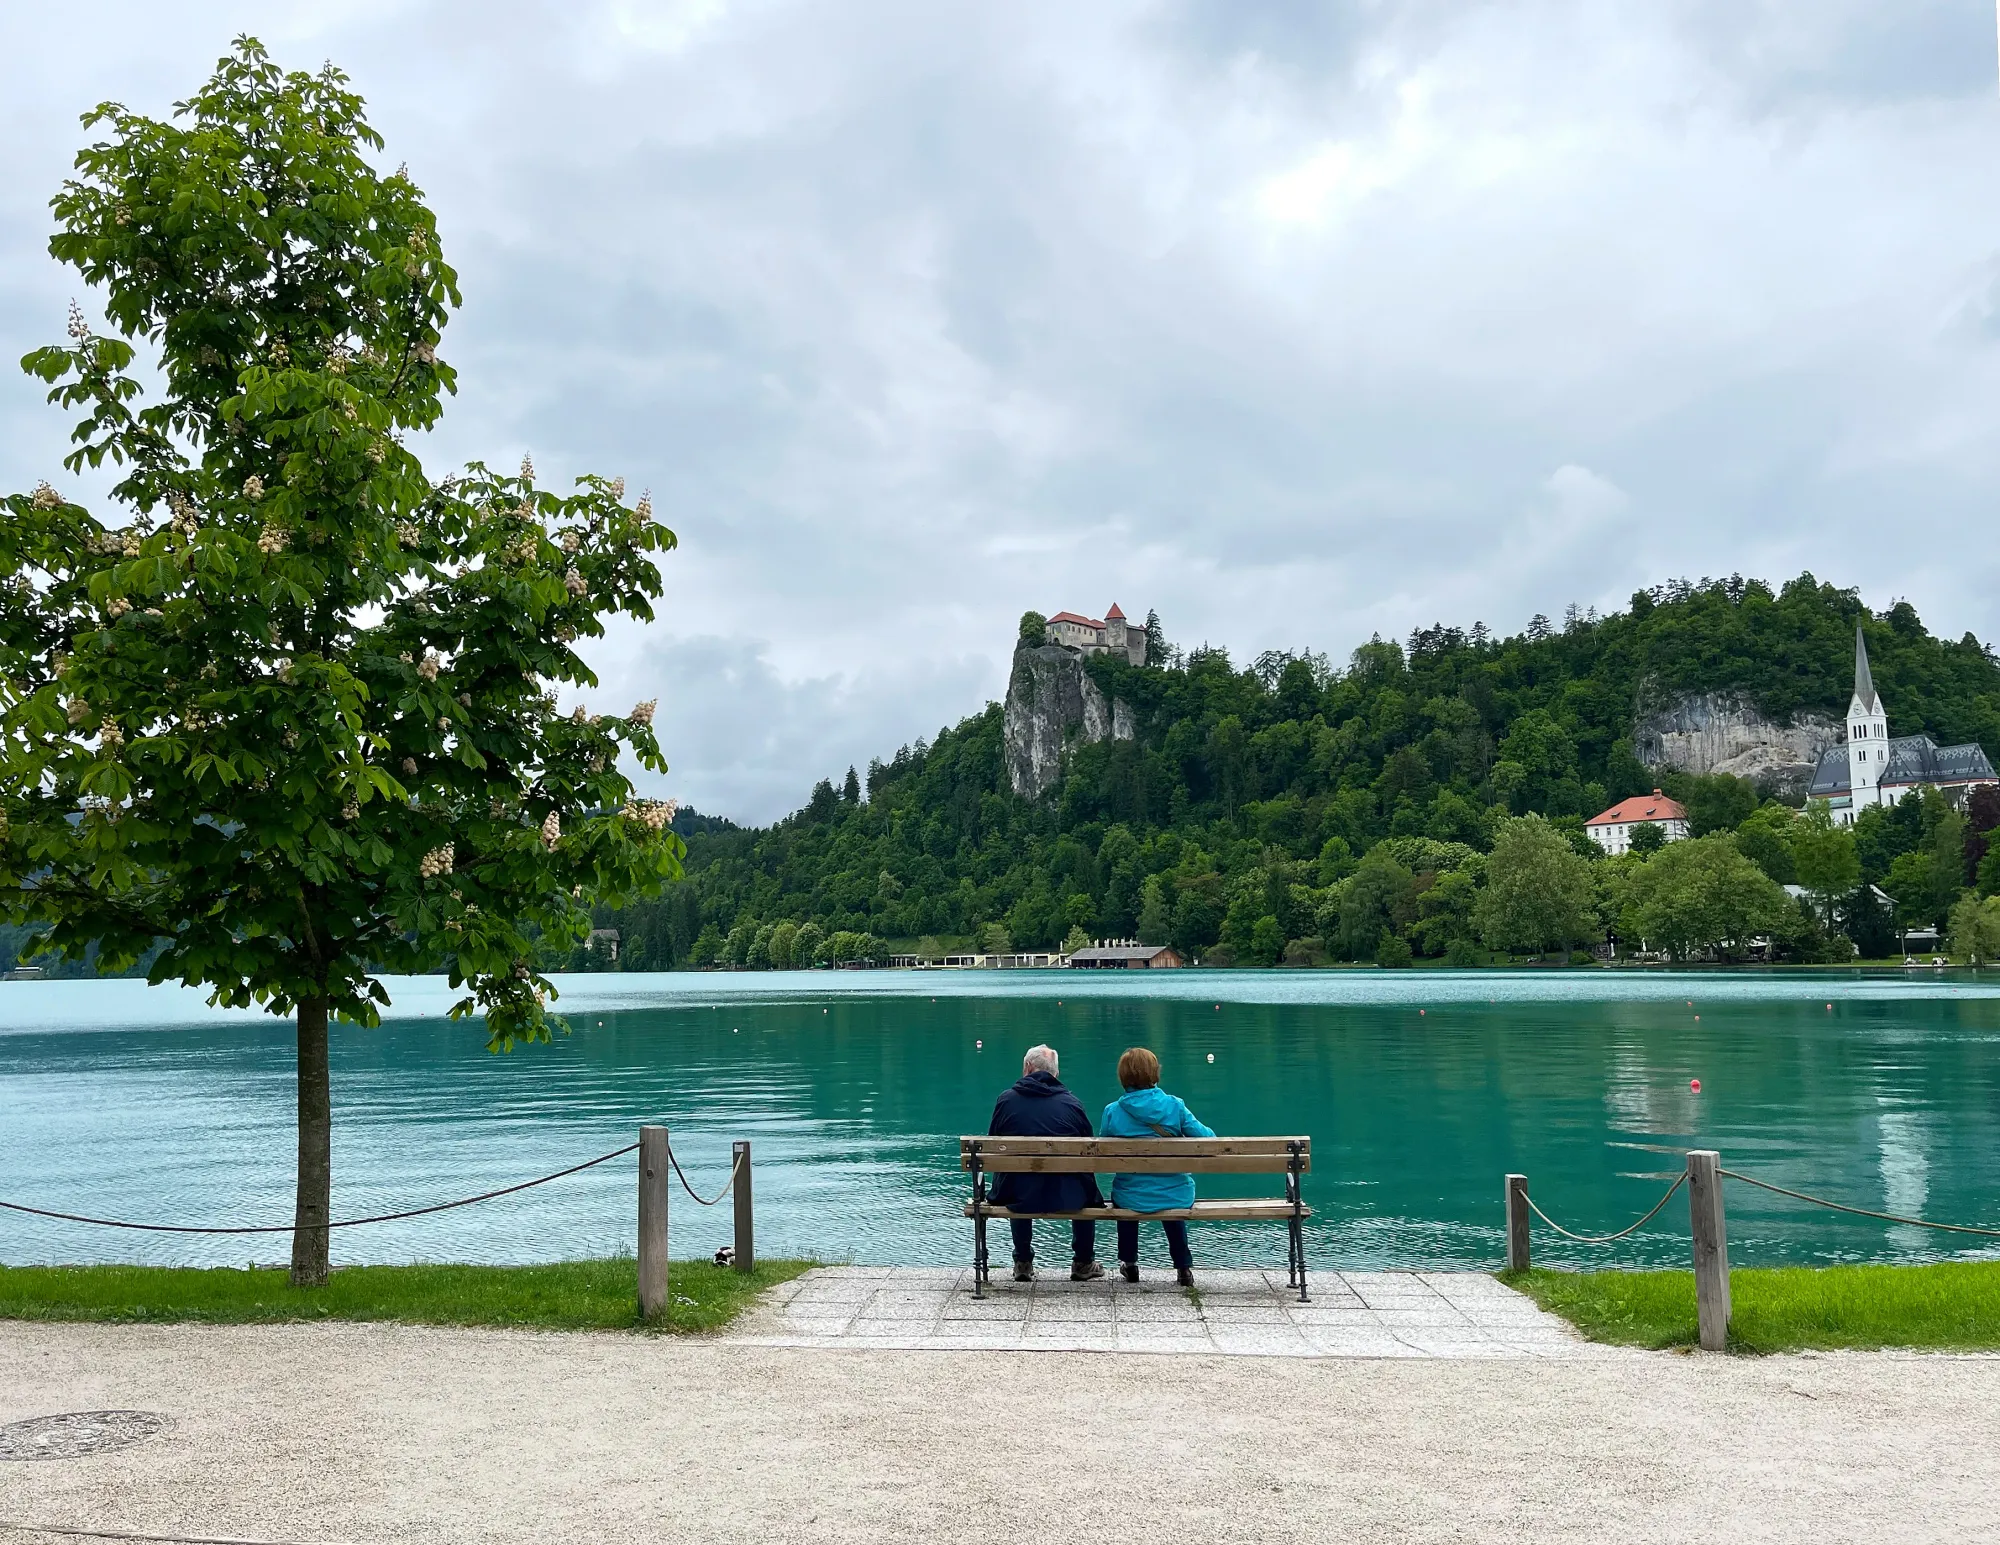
{"x": 979, "y": 1046}
{"x": 1211, "y": 1056}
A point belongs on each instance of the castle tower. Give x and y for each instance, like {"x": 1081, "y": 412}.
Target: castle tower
{"x": 1114, "y": 630}
{"x": 1867, "y": 735}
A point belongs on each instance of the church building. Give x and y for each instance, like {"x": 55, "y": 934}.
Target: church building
{"x": 1872, "y": 769}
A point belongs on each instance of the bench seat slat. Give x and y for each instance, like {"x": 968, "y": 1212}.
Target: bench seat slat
{"x": 1127, "y": 1164}
{"x": 1217, "y": 1209}
{"x": 1279, "y": 1147}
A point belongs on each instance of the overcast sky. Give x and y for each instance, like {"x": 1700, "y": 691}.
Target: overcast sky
{"x": 1294, "y": 322}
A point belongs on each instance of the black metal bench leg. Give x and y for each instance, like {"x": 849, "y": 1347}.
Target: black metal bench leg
{"x": 1299, "y": 1256}
{"x": 979, "y": 1258}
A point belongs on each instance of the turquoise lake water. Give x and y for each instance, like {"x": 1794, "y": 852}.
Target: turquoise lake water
{"x": 1419, "y": 1090}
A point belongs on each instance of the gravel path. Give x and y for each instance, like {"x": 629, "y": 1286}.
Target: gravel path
{"x": 377, "y": 1433}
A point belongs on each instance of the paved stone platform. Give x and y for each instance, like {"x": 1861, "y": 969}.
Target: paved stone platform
{"x": 1248, "y": 1313}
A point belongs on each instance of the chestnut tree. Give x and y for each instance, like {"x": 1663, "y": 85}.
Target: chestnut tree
{"x": 290, "y": 719}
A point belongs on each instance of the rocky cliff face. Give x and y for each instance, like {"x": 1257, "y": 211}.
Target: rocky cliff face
{"x": 1720, "y": 732}
{"x": 1050, "y": 699}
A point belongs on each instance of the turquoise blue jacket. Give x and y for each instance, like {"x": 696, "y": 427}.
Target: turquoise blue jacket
{"x": 1136, "y": 1115}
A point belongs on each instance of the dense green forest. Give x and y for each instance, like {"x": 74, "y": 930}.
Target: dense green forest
{"x": 1425, "y": 800}
{"x": 1292, "y": 810}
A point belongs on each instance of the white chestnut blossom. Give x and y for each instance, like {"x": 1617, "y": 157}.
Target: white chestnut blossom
{"x": 435, "y": 863}
{"x": 528, "y": 469}
{"x": 644, "y": 509}
{"x": 618, "y": 488}
{"x": 551, "y": 830}
{"x": 642, "y": 713}
{"x": 428, "y": 667}
{"x": 653, "y": 814}
{"x": 46, "y": 498}
{"x": 79, "y": 329}
{"x": 117, "y": 607}
{"x": 77, "y": 709}
{"x": 109, "y": 736}
{"x": 571, "y": 541}
{"x": 574, "y": 583}
{"x": 253, "y": 488}
{"x": 409, "y": 767}
{"x": 272, "y": 541}
{"x": 406, "y": 534}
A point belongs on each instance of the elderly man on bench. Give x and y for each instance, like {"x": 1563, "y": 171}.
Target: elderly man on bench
{"x": 1039, "y": 1106}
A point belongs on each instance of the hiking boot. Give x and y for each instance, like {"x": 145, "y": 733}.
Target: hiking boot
{"x": 1184, "y": 1276}
{"x": 1129, "y": 1270}
{"x": 1024, "y": 1271}
{"x": 1085, "y": 1271}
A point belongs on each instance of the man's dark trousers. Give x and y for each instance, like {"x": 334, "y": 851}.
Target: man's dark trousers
{"x": 1082, "y": 1238}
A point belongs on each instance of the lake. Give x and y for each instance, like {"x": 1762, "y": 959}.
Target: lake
{"x": 1420, "y": 1090}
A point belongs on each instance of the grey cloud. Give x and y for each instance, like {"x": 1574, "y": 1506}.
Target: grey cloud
{"x": 1285, "y": 319}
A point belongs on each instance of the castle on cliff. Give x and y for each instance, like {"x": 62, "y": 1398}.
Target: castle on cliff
{"x": 1087, "y": 635}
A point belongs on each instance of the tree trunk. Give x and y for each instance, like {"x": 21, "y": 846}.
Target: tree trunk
{"x": 314, "y": 1205}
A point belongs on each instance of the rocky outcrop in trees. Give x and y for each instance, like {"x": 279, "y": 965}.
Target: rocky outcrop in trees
{"x": 1050, "y": 701}
{"x": 1708, "y": 732}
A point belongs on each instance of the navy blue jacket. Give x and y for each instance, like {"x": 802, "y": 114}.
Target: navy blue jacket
{"x": 1039, "y": 1106}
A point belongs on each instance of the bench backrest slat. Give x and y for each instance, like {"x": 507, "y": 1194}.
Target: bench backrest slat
{"x": 1135, "y": 1155}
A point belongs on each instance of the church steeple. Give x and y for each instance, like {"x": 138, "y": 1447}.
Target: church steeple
{"x": 1865, "y": 700}
{"x": 1867, "y": 738}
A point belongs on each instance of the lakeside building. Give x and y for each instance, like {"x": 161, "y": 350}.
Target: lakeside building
{"x": 1873, "y": 769}
{"x": 1126, "y": 955}
{"x": 1088, "y": 635}
{"x": 1020, "y": 960}
{"x": 1612, "y": 831}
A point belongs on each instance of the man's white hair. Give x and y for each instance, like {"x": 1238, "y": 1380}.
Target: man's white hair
{"x": 1040, "y": 1059}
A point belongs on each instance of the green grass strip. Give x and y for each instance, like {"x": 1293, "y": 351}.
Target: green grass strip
{"x": 565, "y": 1295}
{"x": 1952, "y": 1306}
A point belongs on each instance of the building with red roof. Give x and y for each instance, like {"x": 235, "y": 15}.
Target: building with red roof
{"x": 1111, "y": 634}
{"x": 1612, "y": 831}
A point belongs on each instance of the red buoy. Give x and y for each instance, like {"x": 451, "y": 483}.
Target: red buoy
{"x": 1695, "y": 1085}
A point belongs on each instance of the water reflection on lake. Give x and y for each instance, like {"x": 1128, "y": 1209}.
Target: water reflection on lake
{"x": 1420, "y": 1090}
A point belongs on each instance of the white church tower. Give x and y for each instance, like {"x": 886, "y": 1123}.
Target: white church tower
{"x": 1867, "y": 735}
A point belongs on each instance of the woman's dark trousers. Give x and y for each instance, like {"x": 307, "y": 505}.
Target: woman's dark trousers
{"x": 1177, "y": 1242}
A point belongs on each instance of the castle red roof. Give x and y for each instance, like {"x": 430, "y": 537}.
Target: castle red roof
{"x": 1114, "y": 613}
{"x": 1085, "y": 622}
{"x": 1641, "y": 807}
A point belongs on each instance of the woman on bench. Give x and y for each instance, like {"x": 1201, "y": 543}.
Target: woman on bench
{"x": 1147, "y": 1110}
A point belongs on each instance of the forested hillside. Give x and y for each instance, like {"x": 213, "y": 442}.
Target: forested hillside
{"x": 1294, "y": 810}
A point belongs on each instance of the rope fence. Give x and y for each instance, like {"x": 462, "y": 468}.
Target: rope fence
{"x": 1605, "y": 1239}
{"x": 286, "y": 1228}
{"x": 1860, "y": 1212}
{"x": 656, "y": 1155}
{"x": 1703, "y": 1178}
{"x": 699, "y": 1200}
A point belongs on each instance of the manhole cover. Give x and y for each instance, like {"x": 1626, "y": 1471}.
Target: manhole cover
{"x": 76, "y": 1433}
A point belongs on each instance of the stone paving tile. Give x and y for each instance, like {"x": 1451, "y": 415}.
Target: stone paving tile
{"x": 1244, "y": 1314}
{"x": 1156, "y": 1312}
{"x": 990, "y": 1310}
{"x": 1071, "y": 1310}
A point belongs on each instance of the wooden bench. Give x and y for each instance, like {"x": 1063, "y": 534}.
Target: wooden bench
{"x": 1287, "y": 1156}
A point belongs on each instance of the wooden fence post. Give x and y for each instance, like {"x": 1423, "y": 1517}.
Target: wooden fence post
{"x": 1517, "y": 1223}
{"x": 1711, "y": 1248}
{"x": 746, "y": 1243}
{"x": 652, "y": 1222}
